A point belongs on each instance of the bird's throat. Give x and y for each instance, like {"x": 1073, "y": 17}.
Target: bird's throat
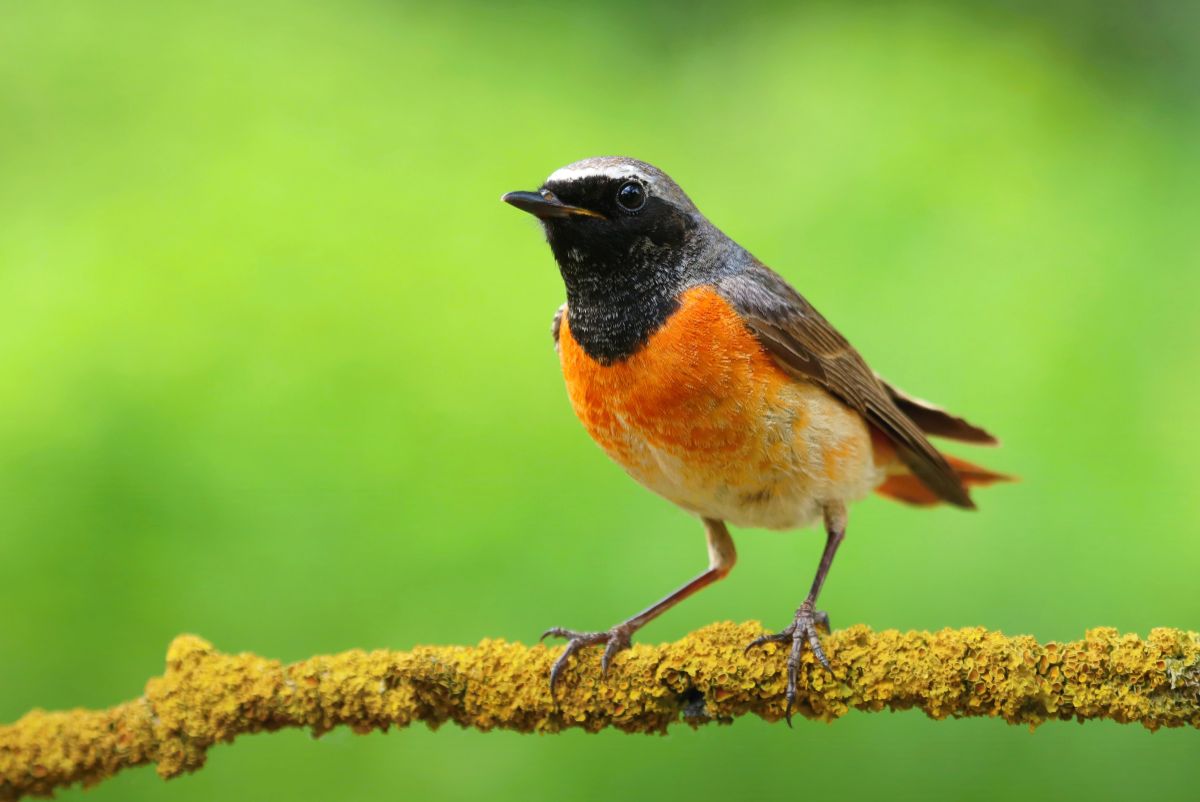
{"x": 612, "y": 317}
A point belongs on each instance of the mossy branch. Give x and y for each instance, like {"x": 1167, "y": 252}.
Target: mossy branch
{"x": 207, "y": 697}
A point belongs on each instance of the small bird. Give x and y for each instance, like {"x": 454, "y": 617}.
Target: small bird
{"x": 712, "y": 382}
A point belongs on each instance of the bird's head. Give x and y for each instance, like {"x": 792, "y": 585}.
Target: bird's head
{"x": 628, "y": 243}
{"x": 611, "y": 214}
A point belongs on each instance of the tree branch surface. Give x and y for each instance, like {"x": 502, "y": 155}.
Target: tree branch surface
{"x": 208, "y": 697}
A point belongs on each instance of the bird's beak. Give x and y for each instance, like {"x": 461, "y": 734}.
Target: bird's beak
{"x": 543, "y": 204}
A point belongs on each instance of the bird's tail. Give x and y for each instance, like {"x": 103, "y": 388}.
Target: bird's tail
{"x": 909, "y": 489}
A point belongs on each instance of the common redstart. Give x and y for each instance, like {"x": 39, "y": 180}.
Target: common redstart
{"x": 716, "y": 385}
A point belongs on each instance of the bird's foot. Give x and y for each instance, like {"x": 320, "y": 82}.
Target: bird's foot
{"x": 802, "y": 630}
{"x": 615, "y": 640}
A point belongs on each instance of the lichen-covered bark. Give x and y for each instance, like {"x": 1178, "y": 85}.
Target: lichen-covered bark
{"x": 206, "y": 697}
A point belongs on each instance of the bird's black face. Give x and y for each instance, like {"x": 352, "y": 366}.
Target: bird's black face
{"x": 621, "y": 232}
{"x": 606, "y": 224}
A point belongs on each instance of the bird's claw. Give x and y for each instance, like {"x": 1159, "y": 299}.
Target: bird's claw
{"x": 802, "y": 630}
{"x": 616, "y": 640}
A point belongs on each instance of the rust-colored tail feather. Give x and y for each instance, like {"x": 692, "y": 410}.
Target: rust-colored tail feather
{"x": 908, "y": 488}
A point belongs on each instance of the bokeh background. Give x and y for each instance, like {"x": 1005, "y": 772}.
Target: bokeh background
{"x": 275, "y": 363}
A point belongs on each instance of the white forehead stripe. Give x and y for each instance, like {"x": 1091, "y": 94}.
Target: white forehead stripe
{"x": 573, "y": 173}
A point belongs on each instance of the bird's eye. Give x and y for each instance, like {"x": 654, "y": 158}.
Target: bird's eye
{"x": 631, "y": 196}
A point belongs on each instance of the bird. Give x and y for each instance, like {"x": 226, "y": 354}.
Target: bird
{"x": 715, "y": 384}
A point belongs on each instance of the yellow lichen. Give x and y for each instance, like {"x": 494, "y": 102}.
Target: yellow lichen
{"x": 206, "y": 697}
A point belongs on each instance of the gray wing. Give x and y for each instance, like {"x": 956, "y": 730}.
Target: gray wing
{"x": 808, "y": 347}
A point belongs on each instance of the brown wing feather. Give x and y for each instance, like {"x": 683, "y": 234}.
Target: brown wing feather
{"x": 807, "y": 346}
{"x": 936, "y": 421}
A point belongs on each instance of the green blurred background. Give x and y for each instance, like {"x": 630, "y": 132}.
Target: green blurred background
{"x": 275, "y": 364}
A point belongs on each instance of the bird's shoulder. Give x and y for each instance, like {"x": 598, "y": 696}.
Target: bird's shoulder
{"x": 792, "y": 329}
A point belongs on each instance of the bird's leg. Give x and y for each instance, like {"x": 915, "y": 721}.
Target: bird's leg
{"x": 721, "y": 557}
{"x": 803, "y": 628}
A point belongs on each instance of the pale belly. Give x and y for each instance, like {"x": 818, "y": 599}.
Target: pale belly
{"x": 714, "y": 425}
{"x": 803, "y": 451}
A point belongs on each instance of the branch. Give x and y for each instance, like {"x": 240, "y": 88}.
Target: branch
{"x": 207, "y": 697}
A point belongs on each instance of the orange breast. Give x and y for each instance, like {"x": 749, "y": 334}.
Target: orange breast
{"x": 703, "y": 415}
